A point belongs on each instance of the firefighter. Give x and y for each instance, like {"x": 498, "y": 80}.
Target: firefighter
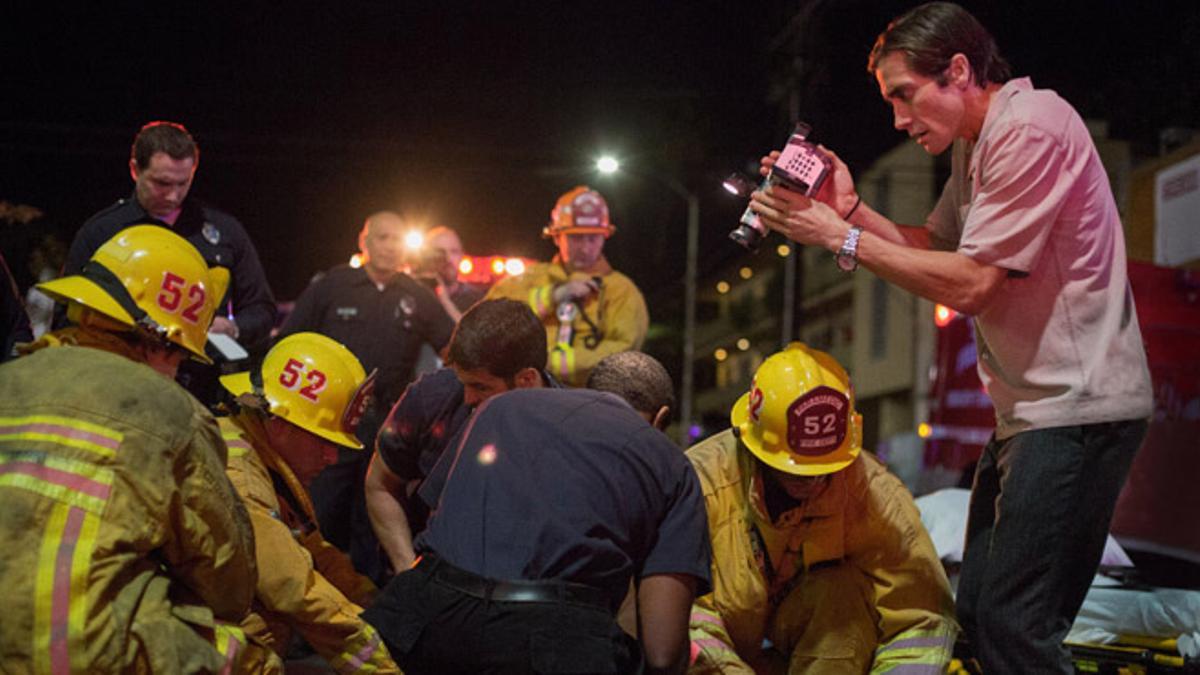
{"x": 589, "y": 309}
{"x": 818, "y": 551}
{"x": 291, "y": 416}
{"x": 125, "y": 547}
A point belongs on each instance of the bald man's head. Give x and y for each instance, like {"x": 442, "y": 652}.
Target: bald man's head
{"x": 381, "y": 243}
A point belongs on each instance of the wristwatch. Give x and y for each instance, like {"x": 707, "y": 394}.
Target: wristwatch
{"x": 847, "y": 255}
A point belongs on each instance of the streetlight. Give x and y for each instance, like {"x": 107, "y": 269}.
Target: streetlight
{"x": 609, "y": 165}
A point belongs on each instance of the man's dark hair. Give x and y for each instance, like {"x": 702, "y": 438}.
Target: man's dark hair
{"x": 168, "y": 137}
{"x": 931, "y": 34}
{"x": 636, "y": 377}
{"x": 501, "y": 336}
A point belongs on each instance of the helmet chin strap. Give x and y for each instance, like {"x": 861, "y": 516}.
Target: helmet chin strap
{"x": 110, "y": 284}
{"x": 257, "y": 393}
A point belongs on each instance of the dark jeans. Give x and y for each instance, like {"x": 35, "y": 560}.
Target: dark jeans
{"x": 432, "y": 628}
{"x": 1040, "y": 512}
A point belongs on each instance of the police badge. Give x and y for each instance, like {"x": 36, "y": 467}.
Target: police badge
{"x": 211, "y": 234}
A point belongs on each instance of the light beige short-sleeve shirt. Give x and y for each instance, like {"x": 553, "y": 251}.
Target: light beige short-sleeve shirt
{"x": 1060, "y": 344}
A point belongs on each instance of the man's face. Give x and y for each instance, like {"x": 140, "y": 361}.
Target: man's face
{"x": 479, "y": 385}
{"x": 165, "y": 360}
{"x": 800, "y": 488}
{"x": 305, "y": 452}
{"x": 447, "y": 244}
{"x": 384, "y": 244}
{"x": 163, "y": 184}
{"x": 580, "y": 251}
{"x": 932, "y": 115}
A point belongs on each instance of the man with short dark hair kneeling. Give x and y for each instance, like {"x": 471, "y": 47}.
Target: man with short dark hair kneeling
{"x": 556, "y": 499}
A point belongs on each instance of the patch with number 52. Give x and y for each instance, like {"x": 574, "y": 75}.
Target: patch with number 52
{"x": 817, "y": 421}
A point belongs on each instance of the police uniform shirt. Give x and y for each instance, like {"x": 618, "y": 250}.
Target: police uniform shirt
{"x": 384, "y": 327}
{"x": 219, "y": 237}
{"x": 570, "y": 485}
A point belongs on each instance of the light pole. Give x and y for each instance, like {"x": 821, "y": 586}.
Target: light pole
{"x": 609, "y": 165}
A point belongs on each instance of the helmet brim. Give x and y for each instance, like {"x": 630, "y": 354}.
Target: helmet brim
{"x": 239, "y": 383}
{"x": 86, "y": 292}
{"x": 739, "y": 417}
{"x": 551, "y": 232}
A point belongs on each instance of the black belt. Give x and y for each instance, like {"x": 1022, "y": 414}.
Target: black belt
{"x": 510, "y": 591}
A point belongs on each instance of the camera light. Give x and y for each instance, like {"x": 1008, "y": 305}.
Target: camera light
{"x": 738, "y": 185}
{"x": 356, "y": 260}
{"x": 514, "y": 266}
{"x": 413, "y": 239}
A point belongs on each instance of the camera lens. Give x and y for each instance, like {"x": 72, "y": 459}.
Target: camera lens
{"x": 750, "y": 232}
{"x": 747, "y": 236}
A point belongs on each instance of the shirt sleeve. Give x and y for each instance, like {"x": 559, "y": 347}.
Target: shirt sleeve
{"x": 1022, "y": 187}
{"x": 406, "y": 430}
{"x": 82, "y": 247}
{"x": 942, "y": 223}
{"x": 682, "y": 545}
{"x": 437, "y": 325}
{"x": 253, "y": 302}
{"x": 306, "y": 312}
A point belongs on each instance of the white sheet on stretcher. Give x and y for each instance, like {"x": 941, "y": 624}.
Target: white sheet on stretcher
{"x": 1106, "y": 611}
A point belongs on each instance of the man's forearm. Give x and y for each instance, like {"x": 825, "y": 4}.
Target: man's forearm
{"x": 390, "y": 522}
{"x": 881, "y": 226}
{"x": 384, "y": 491}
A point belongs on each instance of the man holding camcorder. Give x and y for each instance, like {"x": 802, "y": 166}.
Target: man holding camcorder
{"x": 1026, "y": 238}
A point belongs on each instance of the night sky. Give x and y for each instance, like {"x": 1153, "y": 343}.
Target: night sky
{"x": 478, "y": 116}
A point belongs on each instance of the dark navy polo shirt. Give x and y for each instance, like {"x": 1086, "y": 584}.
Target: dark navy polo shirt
{"x": 569, "y": 484}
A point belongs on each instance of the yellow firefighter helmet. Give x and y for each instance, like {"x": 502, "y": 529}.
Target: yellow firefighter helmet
{"x": 147, "y": 279}
{"x": 799, "y": 416}
{"x": 313, "y": 382}
{"x": 579, "y": 211}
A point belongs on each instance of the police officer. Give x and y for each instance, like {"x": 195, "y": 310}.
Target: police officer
{"x": 162, "y": 163}
{"x": 589, "y": 309}
{"x": 382, "y": 316}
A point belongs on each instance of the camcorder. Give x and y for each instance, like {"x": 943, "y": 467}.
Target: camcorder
{"x": 429, "y": 265}
{"x": 801, "y": 167}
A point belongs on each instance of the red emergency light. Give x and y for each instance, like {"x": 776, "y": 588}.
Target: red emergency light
{"x": 943, "y": 315}
{"x": 486, "y": 270}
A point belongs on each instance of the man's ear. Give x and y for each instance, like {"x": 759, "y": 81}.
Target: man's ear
{"x": 960, "y": 71}
{"x": 661, "y": 418}
{"x": 527, "y": 378}
{"x": 133, "y": 169}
